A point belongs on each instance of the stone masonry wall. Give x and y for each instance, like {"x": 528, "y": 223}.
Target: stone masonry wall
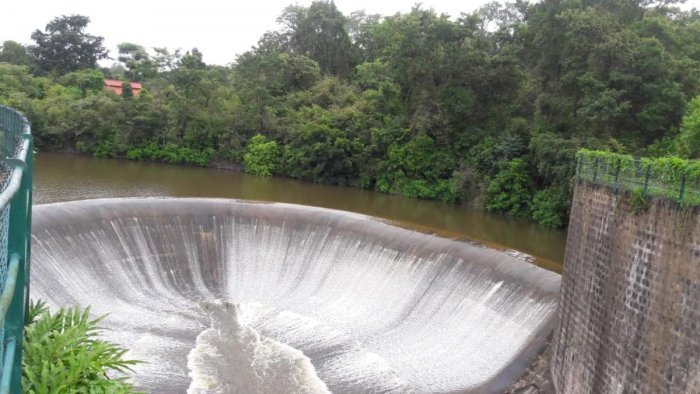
{"x": 630, "y": 297}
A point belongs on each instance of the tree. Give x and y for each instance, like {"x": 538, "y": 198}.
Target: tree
{"x": 137, "y": 61}
{"x": 17, "y": 80}
{"x": 319, "y": 33}
{"x": 690, "y": 131}
{"x": 15, "y": 53}
{"x": 66, "y": 47}
{"x": 85, "y": 80}
{"x": 359, "y": 25}
{"x": 127, "y": 91}
{"x": 165, "y": 60}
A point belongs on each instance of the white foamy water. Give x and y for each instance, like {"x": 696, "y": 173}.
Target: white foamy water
{"x": 296, "y": 299}
{"x": 231, "y": 357}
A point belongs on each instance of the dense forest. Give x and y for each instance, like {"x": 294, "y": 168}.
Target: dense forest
{"x": 486, "y": 108}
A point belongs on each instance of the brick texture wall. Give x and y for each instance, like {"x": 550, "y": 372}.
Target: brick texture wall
{"x": 630, "y": 297}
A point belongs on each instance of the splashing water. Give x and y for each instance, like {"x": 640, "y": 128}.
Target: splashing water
{"x": 231, "y": 357}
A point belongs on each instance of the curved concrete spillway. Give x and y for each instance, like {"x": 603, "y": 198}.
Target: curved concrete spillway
{"x": 234, "y": 296}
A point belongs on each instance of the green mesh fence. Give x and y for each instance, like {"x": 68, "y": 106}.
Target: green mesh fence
{"x": 15, "y": 232}
{"x": 666, "y": 177}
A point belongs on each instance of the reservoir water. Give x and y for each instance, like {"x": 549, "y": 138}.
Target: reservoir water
{"x": 60, "y": 177}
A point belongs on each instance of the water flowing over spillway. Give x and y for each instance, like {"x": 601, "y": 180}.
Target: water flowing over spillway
{"x": 224, "y": 296}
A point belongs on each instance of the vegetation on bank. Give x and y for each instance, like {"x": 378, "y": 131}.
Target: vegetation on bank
{"x": 62, "y": 353}
{"x": 487, "y": 108}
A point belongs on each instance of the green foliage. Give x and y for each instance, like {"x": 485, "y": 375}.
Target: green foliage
{"x": 16, "y": 80}
{"x": 554, "y": 157}
{"x": 319, "y": 32}
{"x": 171, "y": 154}
{"x": 62, "y": 353}
{"x": 137, "y": 61}
{"x": 262, "y": 156}
{"x": 66, "y": 47}
{"x": 86, "y": 80}
{"x": 510, "y": 191}
{"x": 638, "y": 201}
{"x": 321, "y": 152}
{"x": 416, "y": 104}
{"x": 669, "y": 177}
{"x": 549, "y": 208}
{"x": 689, "y": 140}
{"x": 418, "y": 170}
{"x": 127, "y": 92}
{"x": 15, "y": 53}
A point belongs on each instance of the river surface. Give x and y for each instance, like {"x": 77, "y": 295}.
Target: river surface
{"x": 59, "y": 177}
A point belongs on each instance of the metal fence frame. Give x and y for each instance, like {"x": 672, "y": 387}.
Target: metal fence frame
{"x": 635, "y": 175}
{"x": 16, "y": 207}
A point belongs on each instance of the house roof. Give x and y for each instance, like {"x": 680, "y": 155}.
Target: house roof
{"x": 118, "y": 84}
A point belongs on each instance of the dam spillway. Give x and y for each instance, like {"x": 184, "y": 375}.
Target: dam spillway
{"x": 233, "y": 296}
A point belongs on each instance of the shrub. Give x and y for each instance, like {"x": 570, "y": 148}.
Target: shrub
{"x": 63, "y": 354}
{"x": 510, "y": 191}
{"x": 261, "y": 156}
{"x": 171, "y": 154}
{"x": 690, "y": 131}
{"x": 549, "y": 207}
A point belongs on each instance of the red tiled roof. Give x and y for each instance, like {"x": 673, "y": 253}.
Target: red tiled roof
{"x": 118, "y": 84}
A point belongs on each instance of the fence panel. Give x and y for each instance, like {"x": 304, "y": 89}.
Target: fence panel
{"x": 665, "y": 177}
{"x": 15, "y": 234}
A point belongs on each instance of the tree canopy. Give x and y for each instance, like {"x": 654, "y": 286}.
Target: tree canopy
{"x": 487, "y": 108}
{"x": 64, "y": 46}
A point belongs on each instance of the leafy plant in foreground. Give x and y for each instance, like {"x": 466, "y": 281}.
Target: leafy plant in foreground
{"x": 63, "y": 354}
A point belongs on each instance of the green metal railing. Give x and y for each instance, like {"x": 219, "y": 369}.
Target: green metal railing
{"x": 15, "y": 234}
{"x": 666, "y": 177}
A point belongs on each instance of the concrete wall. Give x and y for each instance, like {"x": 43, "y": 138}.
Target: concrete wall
{"x": 630, "y": 297}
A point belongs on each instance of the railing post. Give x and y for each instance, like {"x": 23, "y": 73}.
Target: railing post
{"x": 18, "y": 244}
{"x": 682, "y": 191}
{"x": 595, "y": 169}
{"x": 646, "y": 181}
{"x": 578, "y": 166}
{"x": 28, "y": 185}
{"x": 617, "y": 175}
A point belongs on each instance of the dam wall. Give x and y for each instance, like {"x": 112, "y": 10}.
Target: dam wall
{"x": 629, "y": 316}
{"x": 221, "y": 296}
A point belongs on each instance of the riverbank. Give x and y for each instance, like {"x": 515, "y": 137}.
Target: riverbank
{"x": 475, "y": 203}
{"x": 65, "y": 177}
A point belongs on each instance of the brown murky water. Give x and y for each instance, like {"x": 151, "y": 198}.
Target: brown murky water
{"x": 59, "y": 177}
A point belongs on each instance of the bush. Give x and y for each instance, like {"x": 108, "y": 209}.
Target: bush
{"x": 261, "y": 156}
{"x": 510, "y": 191}
{"x": 690, "y": 131}
{"x": 549, "y": 207}
{"x": 418, "y": 169}
{"x": 63, "y": 354}
{"x": 171, "y": 154}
